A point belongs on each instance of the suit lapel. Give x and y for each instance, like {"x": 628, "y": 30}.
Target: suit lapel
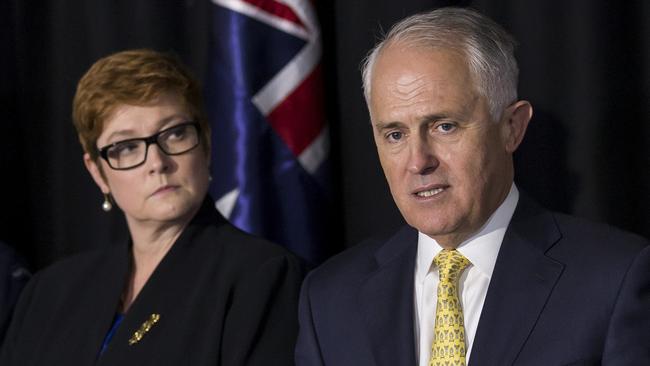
{"x": 386, "y": 301}
{"x": 521, "y": 283}
{"x": 94, "y": 314}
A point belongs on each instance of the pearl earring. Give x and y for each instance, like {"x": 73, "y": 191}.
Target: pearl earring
{"x": 107, "y": 206}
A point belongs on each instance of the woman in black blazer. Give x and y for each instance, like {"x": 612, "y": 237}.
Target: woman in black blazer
{"x": 187, "y": 288}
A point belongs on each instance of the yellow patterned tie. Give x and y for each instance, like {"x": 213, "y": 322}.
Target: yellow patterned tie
{"x": 448, "y": 348}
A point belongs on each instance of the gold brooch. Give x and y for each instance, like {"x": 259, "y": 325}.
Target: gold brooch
{"x": 144, "y": 328}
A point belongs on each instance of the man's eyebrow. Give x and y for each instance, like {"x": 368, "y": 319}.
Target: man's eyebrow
{"x": 424, "y": 119}
{"x": 388, "y": 125}
{"x": 434, "y": 117}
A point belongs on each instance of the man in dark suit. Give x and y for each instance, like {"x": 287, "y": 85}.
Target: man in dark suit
{"x": 13, "y": 277}
{"x": 482, "y": 275}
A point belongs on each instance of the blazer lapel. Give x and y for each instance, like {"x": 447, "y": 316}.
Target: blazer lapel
{"x": 155, "y": 300}
{"x": 386, "y": 301}
{"x": 521, "y": 283}
{"x": 94, "y": 315}
{"x": 159, "y": 298}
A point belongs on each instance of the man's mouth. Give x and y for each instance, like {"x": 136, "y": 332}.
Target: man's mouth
{"x": 426, "y": 193}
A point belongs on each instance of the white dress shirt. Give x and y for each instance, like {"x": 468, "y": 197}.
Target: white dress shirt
{"x": 481, "y": 249}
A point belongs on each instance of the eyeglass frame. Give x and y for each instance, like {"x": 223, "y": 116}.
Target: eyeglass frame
{"x": 151, "y": 140}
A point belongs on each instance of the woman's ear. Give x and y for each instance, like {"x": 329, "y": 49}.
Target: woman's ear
{"x": 518, "y": 115}
{"x": 96, "y": 172}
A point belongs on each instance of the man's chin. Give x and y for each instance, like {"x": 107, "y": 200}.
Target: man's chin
{"x": 435, "y": 229}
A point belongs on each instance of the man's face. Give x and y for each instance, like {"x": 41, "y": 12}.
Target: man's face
{"x": 448, "y": 164}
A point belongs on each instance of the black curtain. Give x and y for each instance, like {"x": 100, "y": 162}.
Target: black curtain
{"x": 585, "y": 66}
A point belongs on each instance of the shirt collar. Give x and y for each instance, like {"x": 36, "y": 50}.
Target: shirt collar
{"x": 481, "y": 249}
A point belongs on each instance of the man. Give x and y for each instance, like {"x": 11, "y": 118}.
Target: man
{"x": 482, "y": 275}
{"x": 13, "y": 277}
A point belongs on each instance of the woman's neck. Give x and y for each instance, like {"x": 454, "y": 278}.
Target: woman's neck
{"x": 150, "y": 245}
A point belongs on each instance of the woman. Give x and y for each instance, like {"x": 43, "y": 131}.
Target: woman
{"x": 188, "y": 288}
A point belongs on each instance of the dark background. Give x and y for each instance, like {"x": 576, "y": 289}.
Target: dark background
{"x": 585, "y": 66}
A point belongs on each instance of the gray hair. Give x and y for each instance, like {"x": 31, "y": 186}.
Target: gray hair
{"x": 487, "y": 47}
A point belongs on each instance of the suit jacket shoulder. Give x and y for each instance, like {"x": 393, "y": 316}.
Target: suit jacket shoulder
{"x": 13, "y": 277}
{"x": 608, "y": 242}
{"x": 557, "y": 287}
{"x": 366, "y": 294}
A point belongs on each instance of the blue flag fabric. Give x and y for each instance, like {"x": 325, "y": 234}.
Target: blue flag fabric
{"x": 270, "y": 142}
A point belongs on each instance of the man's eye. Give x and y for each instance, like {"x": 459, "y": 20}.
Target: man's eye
{"x": 446, "y": 127}
{"x": 395, "y": 136}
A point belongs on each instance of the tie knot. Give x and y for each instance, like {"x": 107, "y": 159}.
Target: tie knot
{"x": 450, "y": 264}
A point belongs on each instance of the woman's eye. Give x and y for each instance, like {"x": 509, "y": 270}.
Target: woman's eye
{"x": 123, "y": 149}
{"x": 175, "y": 133}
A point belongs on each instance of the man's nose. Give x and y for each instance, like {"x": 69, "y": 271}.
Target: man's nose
{"x": 422, "y": 158}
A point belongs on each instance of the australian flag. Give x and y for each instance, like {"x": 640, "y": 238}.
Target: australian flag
{"x": 270, "y": 143}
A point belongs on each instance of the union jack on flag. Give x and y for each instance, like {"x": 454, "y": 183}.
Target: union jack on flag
{"x": 270, "y": 143}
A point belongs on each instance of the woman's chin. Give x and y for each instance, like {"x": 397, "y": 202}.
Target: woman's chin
{"x": 169, "y": 212}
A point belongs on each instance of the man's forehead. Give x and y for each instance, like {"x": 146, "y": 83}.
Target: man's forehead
{"x": 408, "y": 69}
{"x": 401, "y": 50}
{"x": 412, "y": 82}
{"x": 412, "y": 86}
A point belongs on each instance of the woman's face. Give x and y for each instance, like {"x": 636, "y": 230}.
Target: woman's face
{"x": 163, "y": 190}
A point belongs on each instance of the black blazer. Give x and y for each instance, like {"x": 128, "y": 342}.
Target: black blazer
{"x": 563, "y": 292}
{"x": 224, "y": 298}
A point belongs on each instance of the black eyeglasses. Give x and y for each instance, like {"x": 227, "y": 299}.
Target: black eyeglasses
{"x": 128, "y": 154}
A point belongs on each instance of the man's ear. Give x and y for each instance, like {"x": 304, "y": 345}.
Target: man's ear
{"x": 517, "y": 117}
{"x": 96, "y": 173}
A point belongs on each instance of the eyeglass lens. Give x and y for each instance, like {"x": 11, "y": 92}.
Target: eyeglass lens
{"x": 172, "y": 141}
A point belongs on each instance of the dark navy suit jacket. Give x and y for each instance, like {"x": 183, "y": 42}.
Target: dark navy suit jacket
{"x": 563, "y": 292}
{"x": 13, "y": 277}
